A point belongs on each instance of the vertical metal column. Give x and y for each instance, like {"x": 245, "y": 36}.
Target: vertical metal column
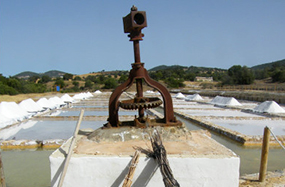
{"x": 138, "y": 81}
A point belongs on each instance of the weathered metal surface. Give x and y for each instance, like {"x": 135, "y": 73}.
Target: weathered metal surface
{"x": 133, "y": 24}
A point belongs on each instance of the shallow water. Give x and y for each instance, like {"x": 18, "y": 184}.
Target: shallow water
{"x": 45, "y": 130}
{"x": 249, "y": 157}
{"x": 26, "y": 168}
{"x": 95, "y": 113}
{"x": 252, "y": 127}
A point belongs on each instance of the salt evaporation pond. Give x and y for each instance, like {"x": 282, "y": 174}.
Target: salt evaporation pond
{"x": 87, "y": 106}
{"x": 218, "y": 113}
{"x": 18, "y": 164}
{"x": 252, "y": 127}
{"x": 94, "y": 113}
{"x": 45, "y": 130}
{"x": 189, "y": 105}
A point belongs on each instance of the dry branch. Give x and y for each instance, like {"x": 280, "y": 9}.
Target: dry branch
{"x": 128, "y": 179}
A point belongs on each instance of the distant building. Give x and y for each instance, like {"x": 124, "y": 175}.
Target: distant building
{"x": 204, "y": 79}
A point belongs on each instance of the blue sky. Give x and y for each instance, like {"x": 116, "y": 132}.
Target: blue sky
{"x": 87, "y": 36}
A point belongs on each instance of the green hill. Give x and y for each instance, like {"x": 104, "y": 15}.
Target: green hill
{"x": 28, "y": 74}
{"x": 269, "y": 65}
{"x": 193, "y": 69}
{"x": 54, "y": 73}
{"x": 164, "y": 67}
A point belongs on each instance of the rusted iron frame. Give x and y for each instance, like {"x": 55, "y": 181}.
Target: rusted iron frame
{"x": 138, "y": 73}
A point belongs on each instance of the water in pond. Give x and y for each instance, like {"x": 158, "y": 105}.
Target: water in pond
{"x": 26, "y": 168}
{"x": 252, "y": 127}
{"x": 44, "y": 130}
{"x": 94, "y": 113}
{"x": 249, "y": 157}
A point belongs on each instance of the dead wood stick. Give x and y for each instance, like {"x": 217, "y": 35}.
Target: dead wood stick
{"x": 72, "y": 144}
{"x": 128, "y": 179}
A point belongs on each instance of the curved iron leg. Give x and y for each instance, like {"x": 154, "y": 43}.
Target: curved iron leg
{"x": 113, "y": 102}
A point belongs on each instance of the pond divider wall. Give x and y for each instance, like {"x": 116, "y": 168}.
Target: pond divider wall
{"x": 259, "y": 96}
{"x": 246, "y": 140}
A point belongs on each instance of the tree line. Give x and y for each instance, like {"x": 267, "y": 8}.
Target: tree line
{"x": 173, "y": 78}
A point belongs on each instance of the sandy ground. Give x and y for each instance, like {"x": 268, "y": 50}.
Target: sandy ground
{"x": 177, "y": 141}
{"x": 273, "y": 179}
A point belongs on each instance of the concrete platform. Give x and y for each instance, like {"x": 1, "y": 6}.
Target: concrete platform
{"x": 102, "y": 158}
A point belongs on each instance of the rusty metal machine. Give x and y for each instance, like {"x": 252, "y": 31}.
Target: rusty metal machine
{"x": 134, "y": 22}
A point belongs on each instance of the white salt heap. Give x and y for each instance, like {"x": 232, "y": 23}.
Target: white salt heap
{"x": 53, "y": 103}
{"x": 66, "y": 98}
{"x": 149, "y": 91}
{"x": 79, "y": 96}
{"x": 57, "y": 101}
{"x": 30, "y": 105}
{"x": 4, "y": 121}
{"x": 179, "y": 96}
{"x": 10, "y": 112}
{"x": 195, "y": 97}
{"x": 97, "y": 92}
{"x": 88, "y": 94}
{"x": 82, "y": 96}
{"x": 13, "y": 111}
{"x": 43, "y": 102}
{"x": 269, "y": 107}
{"x": 225, "y": 101}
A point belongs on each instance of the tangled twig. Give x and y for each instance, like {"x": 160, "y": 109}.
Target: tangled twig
{"x": 160, "y": 155}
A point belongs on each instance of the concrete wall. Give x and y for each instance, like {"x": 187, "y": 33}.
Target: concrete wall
{"x": 216, "y": 170}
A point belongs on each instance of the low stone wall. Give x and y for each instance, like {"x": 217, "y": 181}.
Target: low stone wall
{"x": 216, "y": 128}
{"x": 31, "y": 144}
{"x": 253, "y": 141}
{"x": 259, "y": 96}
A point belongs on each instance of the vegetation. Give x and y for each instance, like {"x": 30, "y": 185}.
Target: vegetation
{"x": 274, "y": 70}
{"x": 172, "y": 76}
{"x": 238, "y": 75}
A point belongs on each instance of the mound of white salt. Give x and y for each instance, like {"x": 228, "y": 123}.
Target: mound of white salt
{"x": 58, "y": 101}
{"x": 30, "y": 105}
{"x": 225, "y": 101}
{"x": 97, "y": 92}
{"x": 53, "y": 103}
{"x": 88, "y": 94}
{"x": 66, "y": 98}
{"x": 43, "y": 102}
{"x": 4, "y": 121}
{"x": 149, "y": 91}
{"x": 179, "y": 96}
{"x": 79, "y": 96}
{"x": 13, "y": 111}
{"x": 269, "y": 107}
{"x": 195, "y": 97}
